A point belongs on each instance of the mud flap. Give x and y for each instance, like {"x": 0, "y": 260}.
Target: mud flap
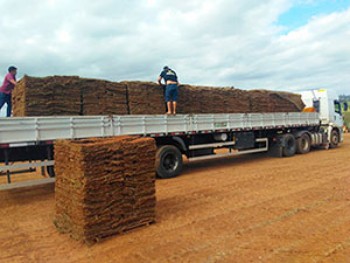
{"x": 275, "y": 150}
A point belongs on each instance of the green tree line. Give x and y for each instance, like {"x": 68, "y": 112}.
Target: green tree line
{"x": 346, "y": 98}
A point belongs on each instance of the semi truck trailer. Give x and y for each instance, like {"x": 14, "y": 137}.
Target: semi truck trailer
{"x": 27, "y": 144}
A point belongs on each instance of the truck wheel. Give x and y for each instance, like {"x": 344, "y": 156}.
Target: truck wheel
{"x": 303, "y": 144}
{"x": 168, "y": 162}
{"x": 289, "y": 148}
{"x": 335, "y": 138}
{"x": 50, "y": 171}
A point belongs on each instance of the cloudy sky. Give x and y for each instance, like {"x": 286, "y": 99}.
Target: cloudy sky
{"x": 271, "y": 44}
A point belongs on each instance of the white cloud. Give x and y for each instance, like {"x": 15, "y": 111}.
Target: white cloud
{"x": 223, "y": 42}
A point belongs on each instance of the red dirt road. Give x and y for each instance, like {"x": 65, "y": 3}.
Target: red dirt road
{"x": 248, "y": 209}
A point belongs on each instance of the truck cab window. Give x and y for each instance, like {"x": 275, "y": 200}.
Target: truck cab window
{"x": 337, "y": 107}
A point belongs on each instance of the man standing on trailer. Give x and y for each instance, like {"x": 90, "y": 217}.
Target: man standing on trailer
{"x": 171, "y": 91}
{"x": 7, "y": 88}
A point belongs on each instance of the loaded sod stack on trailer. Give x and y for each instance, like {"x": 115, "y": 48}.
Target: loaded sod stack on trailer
{"x": 47, "y": 96}
{"x": 272, "y": 101}
{"x": 77, "y": 96}
{"x": 196, "y": 99}
{"x": 104, "y": 186}
{"x": 145, "y": 98}
{"x": 100, "y": 97}
{"x": 59, "y": 96}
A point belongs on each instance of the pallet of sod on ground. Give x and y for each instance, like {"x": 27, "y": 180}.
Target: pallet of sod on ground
{"x": 104, "y": 186}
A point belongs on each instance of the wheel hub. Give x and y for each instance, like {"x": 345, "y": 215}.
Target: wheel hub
{"x": 304, "y": 144}
{"x": 170, "y": 162}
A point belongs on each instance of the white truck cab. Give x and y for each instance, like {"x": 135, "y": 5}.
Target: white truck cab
{"x": 326, "y": 103}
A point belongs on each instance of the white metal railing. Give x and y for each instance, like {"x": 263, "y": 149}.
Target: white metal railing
{"x": 34, "y": 129}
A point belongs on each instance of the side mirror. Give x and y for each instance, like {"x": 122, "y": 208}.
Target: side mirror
{"x": 346, "y": 106}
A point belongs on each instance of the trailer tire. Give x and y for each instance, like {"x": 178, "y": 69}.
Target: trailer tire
{"x": 50, "y": 171}
{"x": 168, "y": 162}
{"x": 303, "y": 144}
{"x": 289, "y": 145}
{"x": 335, "y": 138}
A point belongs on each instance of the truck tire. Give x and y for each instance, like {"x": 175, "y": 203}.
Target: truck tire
{"x": 168, "y": 162}
{"x": 303, "y": 144}
{"x": 289, "y": 145}
{"x": 335, "y": 138}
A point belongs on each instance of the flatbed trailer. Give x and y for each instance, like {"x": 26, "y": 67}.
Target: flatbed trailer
{"x": 28, "y": 143}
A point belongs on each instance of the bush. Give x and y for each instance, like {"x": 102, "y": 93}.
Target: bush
{"x": 347, "y": 118}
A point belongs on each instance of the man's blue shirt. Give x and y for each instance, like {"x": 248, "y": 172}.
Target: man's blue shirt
{"x": 169, "y": 74}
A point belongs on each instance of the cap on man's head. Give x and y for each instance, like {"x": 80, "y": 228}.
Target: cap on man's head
{"x": 166, "y": 67}
{"x": 12, "y": 68}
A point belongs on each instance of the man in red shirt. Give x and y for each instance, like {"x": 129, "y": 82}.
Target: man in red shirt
{"x": 7, "y": 88}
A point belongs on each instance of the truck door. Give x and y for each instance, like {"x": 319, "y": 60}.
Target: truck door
{"x": 338, "y": 116}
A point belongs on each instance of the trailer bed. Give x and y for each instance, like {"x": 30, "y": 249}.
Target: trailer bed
{"x": 38, "y": 129}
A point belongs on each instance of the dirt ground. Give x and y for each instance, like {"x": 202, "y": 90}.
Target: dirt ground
{"x": 248, "y": 209}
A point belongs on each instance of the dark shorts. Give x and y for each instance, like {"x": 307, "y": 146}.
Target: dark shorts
{"x": 171, "y": 92}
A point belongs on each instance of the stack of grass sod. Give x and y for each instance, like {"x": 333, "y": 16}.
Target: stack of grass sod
{"x": 67, "y": 91}
{"x": 72, "y": 96}
{"x": 116, "y": 99}
{"x": 195, "y": 99}
{"x": 274, "y": 101}
{"x": 19, "y": 98}
{"x": 103, "y": 97}
{"x": 294, "y": 101}
{"x": 145, "y": 98}
{"x": 76, "y": 96}
{"x": 260, "y": 101}
{"x": 47, "y": 96}
{"x": 104, "y": 186}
